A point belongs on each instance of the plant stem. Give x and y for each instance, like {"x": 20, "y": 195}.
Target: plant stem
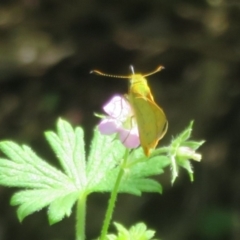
{"x": 113, "y": 198}
{"x": 81, "y": 217}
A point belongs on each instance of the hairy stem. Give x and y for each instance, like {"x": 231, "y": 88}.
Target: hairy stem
{"x": 81, "y": 217}
{"x": 113, "y": 198}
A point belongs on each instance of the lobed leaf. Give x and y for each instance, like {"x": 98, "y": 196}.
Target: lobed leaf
{"x": 138, "y": 231}
{"x": 62, "y": 207}
{"x": 47, "y": 186}
{"x": 68, "y": 146}
{"x": 105, "y": 155}
{"x": 30, "y": 201}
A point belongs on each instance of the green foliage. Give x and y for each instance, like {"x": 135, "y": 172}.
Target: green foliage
{"x": 109, "y": 167}
{"x": 137, "y": 232}
{"x": 182, "y": 150}
{"x": 45, "y": 186}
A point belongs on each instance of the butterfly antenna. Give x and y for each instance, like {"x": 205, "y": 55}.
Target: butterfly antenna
{"x": 107, "y": 75}
{"x": 155, "y": 71}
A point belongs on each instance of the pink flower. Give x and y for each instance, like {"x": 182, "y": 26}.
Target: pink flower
{"x": 120, "y": 120}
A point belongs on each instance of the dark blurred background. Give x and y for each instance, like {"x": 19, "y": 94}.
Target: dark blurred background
{"x": 47, "y": 49}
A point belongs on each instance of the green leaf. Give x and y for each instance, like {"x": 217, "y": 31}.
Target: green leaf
{"x": 68, "y": 146}
{"x": 135, "y": 179}
{"x": 31, "y": 201}
{"x": 46, "y": 185}
{"x": 151, "y": 167}
{"x": 182, "y": 150}
{"x": 188, "y": 166}
{"x": 138, "y": 231}
{"x": 105, "y": 155}
{"x": 139, "y": 185}
{"x": 186, "y": 133}
{"x": 62, "y": 207}
{"x": 26, "y": 169}
{"x": 193, "y": 144}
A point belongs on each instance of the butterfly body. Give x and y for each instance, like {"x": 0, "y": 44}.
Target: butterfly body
{"x": 151, "y": 120}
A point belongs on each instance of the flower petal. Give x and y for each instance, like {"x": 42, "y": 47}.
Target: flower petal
{"x": 118, "y": 108}
{"x": 108, "y": 126}
{"x": 129, "y": 137}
